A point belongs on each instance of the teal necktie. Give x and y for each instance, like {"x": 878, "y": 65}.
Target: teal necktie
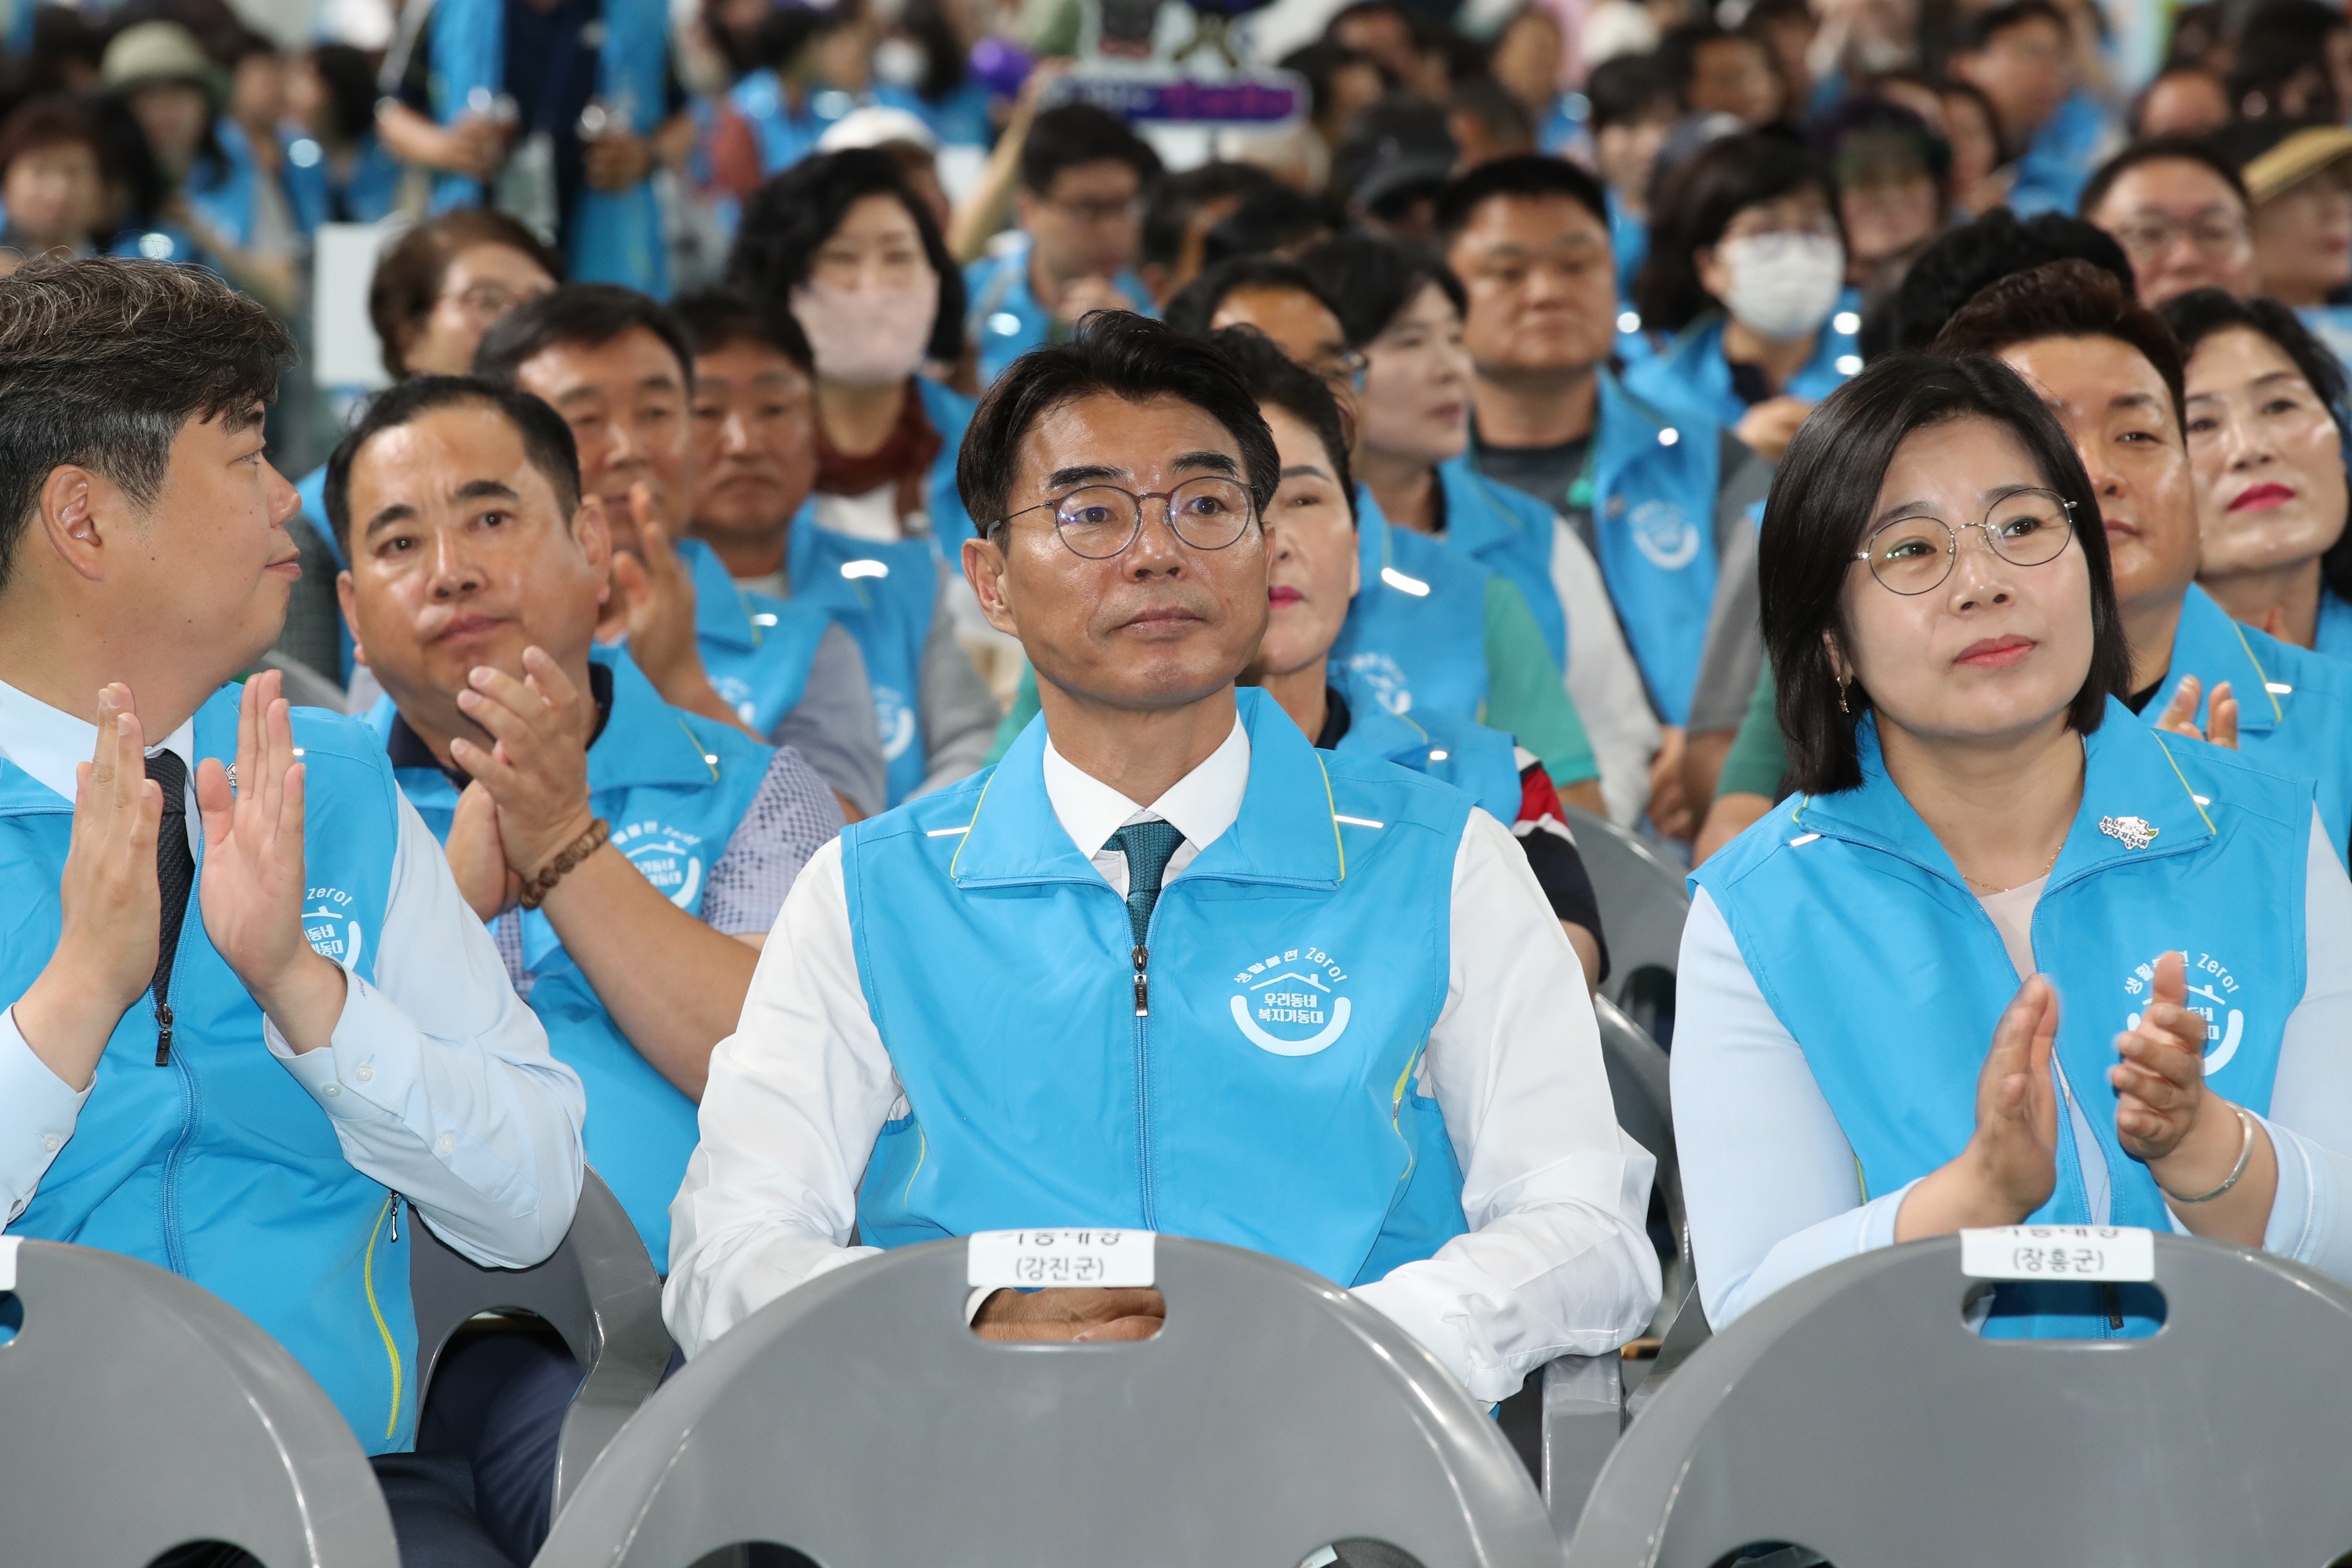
{"x": 1148, "y": 846}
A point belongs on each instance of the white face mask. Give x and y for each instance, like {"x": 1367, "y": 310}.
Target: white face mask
{"x": 867, "y": 337}
{"x": 1783, "y": 286}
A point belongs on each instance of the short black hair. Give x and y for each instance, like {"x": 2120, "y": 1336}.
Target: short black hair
{"x": 2181, "y": 149}
{"x": 1678, "y": 53}
{"x": 1626, "y": 88}
{"x": 1275, "y": 378}
{"x": 103, "y": 362}
{"x": 2275, "y": 42}
{"x": 1949, "y": 272}
{"x": 719, "y": 318}
{"x": 1195, "y": 305}
{"x": 1721, "y": 180}
{"x": 1176, "y": 199}
{"x": 1864, "y": 132}
{"x": 1533, "y": 174}
{"x": 1370, "y": 281}
{"x": 1126, "y": 356}
{"x": 793, "y": 213}
{"x": 1824, "y": 496}
{"x": 2202, "y": 312}
{"x": 1493, "y": 108}
{"x": 1975, "y": 34}
{"x": 1071, "y": 134}
{"x": 547, "y": 441}
{"x": 2064, "y": 299}
{"x": 587, "y": 314}
{"x": 1274, "y": 220}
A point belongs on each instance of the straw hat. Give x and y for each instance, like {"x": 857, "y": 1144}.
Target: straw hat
{"x": 2296, "y": 159}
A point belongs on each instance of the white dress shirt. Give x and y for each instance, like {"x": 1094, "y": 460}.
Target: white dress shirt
{"x": 1558, "y": 1258}
{"x": 1603, "y": 680}
{"x": 437, "y": 1078}
{"x": 1770, "y": 1182}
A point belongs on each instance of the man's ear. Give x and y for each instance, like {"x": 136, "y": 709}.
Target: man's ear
{"x": 346, "y": 597}
{"x": 594, "y": 535}
{"x": 82, "y": 513}
{"x": 984, "y": 565}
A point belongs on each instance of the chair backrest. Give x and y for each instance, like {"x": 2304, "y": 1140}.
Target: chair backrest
{"x": 1640, "y": 1082}
{"x": 140, "y": 1412}
{"x": 1642, "y": 904}
{"x": 859, "y": 1421}
{"x": 598, "y": 1290}
{"x": 1857, "y": 1413}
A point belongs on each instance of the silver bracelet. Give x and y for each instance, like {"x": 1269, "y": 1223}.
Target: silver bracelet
{"x": 2245, "y": 1156}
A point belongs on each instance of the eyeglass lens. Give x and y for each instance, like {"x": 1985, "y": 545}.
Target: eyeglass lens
{"x": 1099, "y": 522}
{"x": 1914, "y": 555}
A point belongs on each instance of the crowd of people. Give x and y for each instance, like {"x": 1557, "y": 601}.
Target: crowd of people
{"x": 903, "y": 657}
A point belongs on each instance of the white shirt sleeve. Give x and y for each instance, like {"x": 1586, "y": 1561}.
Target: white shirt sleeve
{"x": 797, "y": 1096}
{"x": 2310, "y": 1119}
{"x": 1603, "y": 681}
{"x": 1559, "y": 1257}
{"x": 438, "y": 1078}
{"x": 1769, "y": 1183}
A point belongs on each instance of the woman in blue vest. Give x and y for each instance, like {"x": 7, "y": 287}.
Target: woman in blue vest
{"x": 1747, "y": 269}
{"x": 1313, "y": 575}
{"x": 1943, "y": 984}
{"x": 2266, "y": 415}
{"x": 855, "y": 255}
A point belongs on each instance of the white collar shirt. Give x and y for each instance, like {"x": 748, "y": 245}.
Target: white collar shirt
{"x": 1201, "y": 805}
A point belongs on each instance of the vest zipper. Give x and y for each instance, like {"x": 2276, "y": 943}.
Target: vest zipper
{"x": 163, "y": 1033}
{"x": 1142, "y": 957}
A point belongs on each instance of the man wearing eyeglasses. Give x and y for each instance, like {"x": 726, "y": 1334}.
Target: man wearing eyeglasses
{"x": 1299, "y": 1002}
{"x": 2181, "y": 212}
{"x": 1080, "y": 216}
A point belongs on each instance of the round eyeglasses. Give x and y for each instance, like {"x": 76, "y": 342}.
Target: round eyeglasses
{"x": 1915, "y": 555}
{"x": 1101, "y": 520}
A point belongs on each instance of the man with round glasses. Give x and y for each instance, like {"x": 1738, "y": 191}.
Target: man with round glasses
{"x": 1168, "y": 966}
{"x": 2181, "y": 214}
{"x": 2110, "y": 372}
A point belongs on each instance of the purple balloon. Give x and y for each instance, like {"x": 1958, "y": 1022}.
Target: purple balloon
{"x": 1000, "y": 67}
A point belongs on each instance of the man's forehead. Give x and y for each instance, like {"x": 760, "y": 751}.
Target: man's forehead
{"x": 1553, "y": 220}
{"x": 429, "y": 460}
{"x": 617, "y": 367}
{"x": 1103, "y": 430}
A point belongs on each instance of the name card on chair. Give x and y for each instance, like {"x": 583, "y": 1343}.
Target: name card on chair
{"x": 2110, "y": 1254}
{"x": 1039, "y": 1259}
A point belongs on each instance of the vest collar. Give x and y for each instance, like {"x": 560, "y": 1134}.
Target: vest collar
{"x": 1625, "y": 430}
{"x": 2214, "y": 648}
{"x": 2136, "y": 804}
{"x": 1476, "y": 521}
{"x": 1286, "y": 833}
{"x": 721, "y": 614}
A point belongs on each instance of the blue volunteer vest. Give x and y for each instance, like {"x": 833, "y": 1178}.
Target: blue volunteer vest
{"x": 1629, "y": 244}
{"x": 1871, "y": 950}
{"x": 2057, "y": 164}
{"x": 1266, "y": 1098}
{"x": 2335, "y": 631}
{"x": 1006, "y": 319}
{"x": 313, "y": 487}
{"x": 1509, "y": 532}
{"x": 785, "y": 135}
{"x": 1690, "y": 375}
{"x": 2295, "y": 706}
{"x": 1415, "y": 636}
{"x": 756, "y": 648}
{"x": 881, "y": 595}
{"x": 1483, "y": 763}
{"x": 219, "y": 1165}
{"x": 612, "y": 237}
{"x": 949, "y": 412}
{"x": 674, "y": 786}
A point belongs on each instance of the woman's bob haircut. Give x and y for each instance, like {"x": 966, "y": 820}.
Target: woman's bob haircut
{"x": 1825, "y": 499}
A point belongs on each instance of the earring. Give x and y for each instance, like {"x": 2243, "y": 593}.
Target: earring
{"x": 1842, "y": 707}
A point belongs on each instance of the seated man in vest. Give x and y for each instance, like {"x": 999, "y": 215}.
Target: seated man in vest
{"x": 1044, "y": 901}
{"x": 615, "y": 364}
{"x": 1666, "y": 508}
{"x": 340, "y": 1020}
{"x": 754, "y": 463}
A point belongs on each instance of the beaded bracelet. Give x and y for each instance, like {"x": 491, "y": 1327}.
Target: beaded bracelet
{"x": 535, "y": 892}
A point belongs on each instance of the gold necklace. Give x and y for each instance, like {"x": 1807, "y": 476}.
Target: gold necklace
{"x": 1988, "y": 888}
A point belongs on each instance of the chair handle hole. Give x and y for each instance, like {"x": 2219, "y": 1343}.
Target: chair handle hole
{"x": 1066, "y": 1315}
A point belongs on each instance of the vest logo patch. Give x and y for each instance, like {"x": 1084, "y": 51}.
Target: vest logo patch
{"x": 1290, "y": 1003}
{"x": 1386, "y": 679}
{"x": 736, "y": 693}
{"x": 897, "y": 720}
{"x": 668, "y": 858}
{"x": 1664, "y": 535}
{"x": 330, "y": 926}
{"x": 2132, "y": 831}
{"x": 2212, "y": 995}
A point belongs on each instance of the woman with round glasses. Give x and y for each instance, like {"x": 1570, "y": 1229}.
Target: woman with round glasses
{"x": 2266, "y": 438}
{"x": 2006, "y": 954}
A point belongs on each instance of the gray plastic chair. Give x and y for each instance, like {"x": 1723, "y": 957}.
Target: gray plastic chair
{"x": 1643, "y": 901}
{"x": 598, "y": 1290}
{"x": 1855, "y": 1413}
{"x": 140, "y": 1412}
{"x": 1641, "y": 1084}
{"x": 859, "y": 1421}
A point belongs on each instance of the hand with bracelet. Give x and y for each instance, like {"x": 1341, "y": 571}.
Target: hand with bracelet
{"x": 2212, "y": 1160}
{"x": 536, "y": 772}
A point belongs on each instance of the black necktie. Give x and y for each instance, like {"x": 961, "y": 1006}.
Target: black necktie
{"x": 175, "y": 875}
